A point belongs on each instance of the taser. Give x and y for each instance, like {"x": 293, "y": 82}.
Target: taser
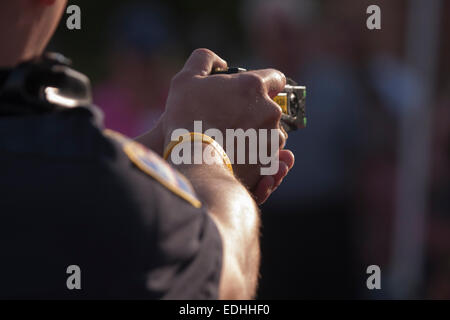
{"x": 292, "y": 101}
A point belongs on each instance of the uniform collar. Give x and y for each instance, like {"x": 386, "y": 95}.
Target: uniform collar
{"x": 66, "y": 132}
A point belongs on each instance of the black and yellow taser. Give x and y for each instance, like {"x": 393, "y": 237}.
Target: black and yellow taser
{"x": 291, "y": 100}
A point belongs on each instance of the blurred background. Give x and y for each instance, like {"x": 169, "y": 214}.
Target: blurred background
{"x": 371, "y": 184}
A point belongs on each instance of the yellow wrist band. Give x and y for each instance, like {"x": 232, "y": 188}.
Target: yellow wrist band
{"x": 198, "y": 137}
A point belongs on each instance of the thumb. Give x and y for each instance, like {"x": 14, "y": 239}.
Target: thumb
{"x": 202, "y": 62}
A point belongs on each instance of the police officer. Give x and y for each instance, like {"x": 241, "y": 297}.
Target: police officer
{"x": 74, "y": 196}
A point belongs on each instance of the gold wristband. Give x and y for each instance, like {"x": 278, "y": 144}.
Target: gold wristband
{"x": 198, "y": 137}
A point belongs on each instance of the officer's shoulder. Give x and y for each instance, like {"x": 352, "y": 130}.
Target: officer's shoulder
{"x": 152, "y": 165}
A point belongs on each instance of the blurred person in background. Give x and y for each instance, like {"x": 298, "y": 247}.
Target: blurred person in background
{"x": 386, "y": 82}
{"x": 141, "y": 62}
{"x": 393, "y": 87}
{"x": 438, "y": 226}
{"x": 317, "y": 199}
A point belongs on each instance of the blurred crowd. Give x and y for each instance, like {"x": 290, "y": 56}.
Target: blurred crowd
{"x": 334, "y": 214}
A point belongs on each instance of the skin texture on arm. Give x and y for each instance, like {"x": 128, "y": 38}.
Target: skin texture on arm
{"x": 237, "y": 218}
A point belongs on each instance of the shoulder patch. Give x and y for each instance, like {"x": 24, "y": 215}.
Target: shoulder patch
{"x": 156, "y": 167}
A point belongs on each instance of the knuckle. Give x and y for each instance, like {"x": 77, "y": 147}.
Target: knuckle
{"x": 179, "y": 79}
{"x": 203, "y": 52}
{"x": 277, "y": 73}
{"x": 282, "y": 138}
{"x": 278, "y": 79}
{"x": 275, "y": 112}
{"x": 282, "y": 143}
{"x": 252, "y": 82}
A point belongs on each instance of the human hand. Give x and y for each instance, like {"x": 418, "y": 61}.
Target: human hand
{"x": 230, "y": 101}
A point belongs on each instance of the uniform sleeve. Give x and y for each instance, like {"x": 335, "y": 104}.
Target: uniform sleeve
{"x": 188, "y": 251}
{"x": 181, "y": 246}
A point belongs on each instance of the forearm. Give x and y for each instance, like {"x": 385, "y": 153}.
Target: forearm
{"x": 237, "y": 218}
{"x": 153, "y": 139}
{"x": 194, "y": 94}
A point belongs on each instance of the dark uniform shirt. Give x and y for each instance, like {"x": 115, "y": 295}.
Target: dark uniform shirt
{"x": 70, "y": 195}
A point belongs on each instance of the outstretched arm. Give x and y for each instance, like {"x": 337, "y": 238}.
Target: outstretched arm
{"x": 227, "y": 102}
{"x": 237, "y": 218}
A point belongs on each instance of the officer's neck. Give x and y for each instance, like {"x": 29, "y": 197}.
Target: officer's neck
{"x": 11, "y": 58}
{"x": 26, "y": 28}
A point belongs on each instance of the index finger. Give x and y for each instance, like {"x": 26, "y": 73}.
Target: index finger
{"x": 202, "y": 62}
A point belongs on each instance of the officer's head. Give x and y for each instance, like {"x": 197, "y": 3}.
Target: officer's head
{"x": 26, "y": 27}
